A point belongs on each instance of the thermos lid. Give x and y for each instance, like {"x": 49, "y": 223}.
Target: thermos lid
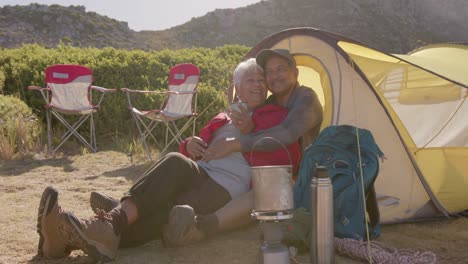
{"x": 321, "y": 172}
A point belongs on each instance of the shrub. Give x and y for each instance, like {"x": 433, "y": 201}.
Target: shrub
{"x": 2, "y": 80}
{"x": 115, "y": 68}
{"x": 19, "y": 129}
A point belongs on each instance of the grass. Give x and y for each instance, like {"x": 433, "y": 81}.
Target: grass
{"x": 19, "y": 129}
{"x": 18, "y": 137}
{"x": 22, "y": 183}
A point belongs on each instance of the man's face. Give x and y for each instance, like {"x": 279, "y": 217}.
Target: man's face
{"x": 252, "y": 89}
{"x": 279, "y": 75}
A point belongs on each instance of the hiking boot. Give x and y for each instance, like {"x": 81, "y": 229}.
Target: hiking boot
{"x": 53, "y": 242}
{"x": 182, "y": 227}
{"x": 100, "y": 201}
{"x": 96, "y": 236}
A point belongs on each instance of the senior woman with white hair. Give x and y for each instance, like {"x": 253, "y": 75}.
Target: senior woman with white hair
{"x": 179, "y": 183}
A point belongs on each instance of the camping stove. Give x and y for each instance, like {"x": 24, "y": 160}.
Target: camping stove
{"x": 273, "y": 204}
{"x": 272, "y": 251}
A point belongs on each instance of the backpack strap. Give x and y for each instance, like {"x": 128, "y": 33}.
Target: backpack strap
{"x": 372, "y": 206}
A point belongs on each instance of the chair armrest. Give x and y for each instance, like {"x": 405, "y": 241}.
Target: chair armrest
{"x": 102, "y": 89}
{"x": 38, "y": 88}
{"x": 181, "y": 93}
{"x": 141, "y": 91}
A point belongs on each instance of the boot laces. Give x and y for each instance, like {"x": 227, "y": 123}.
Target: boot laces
{"x": 102, "y": 215}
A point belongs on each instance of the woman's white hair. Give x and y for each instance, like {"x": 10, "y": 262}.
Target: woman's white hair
{"x": 247, "y": 66}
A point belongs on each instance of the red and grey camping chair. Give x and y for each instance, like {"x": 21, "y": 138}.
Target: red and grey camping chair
{"x": 180, "y": 102}
{"x": 69, "y": 92}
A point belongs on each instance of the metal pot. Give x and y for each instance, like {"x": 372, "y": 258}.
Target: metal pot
{"x": 272, "y": 188}
{"x": 272, "y": 185}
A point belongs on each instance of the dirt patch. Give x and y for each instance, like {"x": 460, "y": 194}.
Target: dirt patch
{"x": 22, "y": 183}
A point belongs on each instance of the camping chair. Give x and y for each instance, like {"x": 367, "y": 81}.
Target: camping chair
{"x": 69, "y": 92}
{"x": 181, "y": 93}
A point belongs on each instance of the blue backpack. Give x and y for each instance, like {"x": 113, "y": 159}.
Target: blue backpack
{"x": 336, "y": 148}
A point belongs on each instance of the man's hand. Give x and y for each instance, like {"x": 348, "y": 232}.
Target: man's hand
{"x": 242, "y": 120}
{"x": 196, "y": 147}
{"x": 221, "y": 149}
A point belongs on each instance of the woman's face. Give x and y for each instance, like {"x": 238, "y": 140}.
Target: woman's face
{"x": 252, "y": 89}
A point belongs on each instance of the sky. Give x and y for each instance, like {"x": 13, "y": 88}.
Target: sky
{"x": 145, "y": 14}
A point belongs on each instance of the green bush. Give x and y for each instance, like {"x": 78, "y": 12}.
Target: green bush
{"x": 19, "y": 128}
{"x": 2, "y": 80}
{"x": 114, "y": 68}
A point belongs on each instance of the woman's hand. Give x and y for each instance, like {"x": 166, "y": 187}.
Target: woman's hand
{"x": 196, "y": 147}
{"x": 221, "y": 149}
{"x": 242, "y": 120}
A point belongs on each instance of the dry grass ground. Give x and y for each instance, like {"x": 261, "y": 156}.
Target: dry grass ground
{"x": 22, "y": 183}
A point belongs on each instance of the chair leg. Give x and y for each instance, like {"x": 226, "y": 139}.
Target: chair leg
{"x": 149, "y": 133}
{"x": 49, "y": 131}
{"x": 167, "y": 133}
{"x": 142, "y": 135}
{"x": 176, "y": 136}
{"x": 72, "y": 130}
{"x": 149, "y": 129}
{"x": 92, "y": 133}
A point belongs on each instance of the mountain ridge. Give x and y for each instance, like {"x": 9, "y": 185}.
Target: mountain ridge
{"x": 396, "y": 26}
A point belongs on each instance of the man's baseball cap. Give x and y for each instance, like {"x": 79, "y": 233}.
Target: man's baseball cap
{"x": 265, "y": 54}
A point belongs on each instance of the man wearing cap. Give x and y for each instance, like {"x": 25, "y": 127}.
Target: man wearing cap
{"x": 305, "y": 112}
{"x": 302, "y": 122}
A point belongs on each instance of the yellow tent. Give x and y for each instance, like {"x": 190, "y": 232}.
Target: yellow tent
{"x": 413, "y": 104}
